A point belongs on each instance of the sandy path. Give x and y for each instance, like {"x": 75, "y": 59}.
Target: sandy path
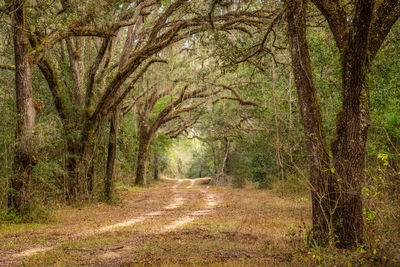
{"x": 192, "y": 182}
{"x": 176, "y": 202}
{"x": 211, "y": 202}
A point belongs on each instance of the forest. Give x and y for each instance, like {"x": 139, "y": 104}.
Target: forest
{"x": 207, "y": 132}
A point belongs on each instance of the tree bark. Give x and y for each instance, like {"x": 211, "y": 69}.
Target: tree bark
{"x": 86, "y": 145}
{"x": 141, "y": 164}
{"x": 25, "y": 157}
{"x": 72, "y": 149}
{"x": 112, "y": 154}
{"x": 156, "y": 172}
{"x": 349, "y": 148}
{"x": 321, "y": 180}
{"x": 145, "y": 136}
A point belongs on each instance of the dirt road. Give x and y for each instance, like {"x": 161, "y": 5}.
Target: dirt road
{"x": 174, "y": 222}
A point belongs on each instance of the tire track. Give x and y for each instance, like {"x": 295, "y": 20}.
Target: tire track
{"x": 176, "y": 202}
{"x": 192, "y": 182}
{"x": 211, "y": 203}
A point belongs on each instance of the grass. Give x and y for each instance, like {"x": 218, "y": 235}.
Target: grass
{"x": 9, "y": 229}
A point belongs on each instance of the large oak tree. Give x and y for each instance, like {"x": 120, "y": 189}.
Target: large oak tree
{"x": 359, "y": 28}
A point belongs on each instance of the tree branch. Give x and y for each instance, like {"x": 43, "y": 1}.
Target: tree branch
{"x": 174, "y": 133}
{"x": 387, "y": 14}
{"x": 92, "y": 73}
{"x": 336, "y": 16}
{"x": 135, "y": 79}
{"x": 237, "y": 97}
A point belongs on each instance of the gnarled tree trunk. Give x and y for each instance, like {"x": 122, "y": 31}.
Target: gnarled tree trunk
{"x": 321, "y": 180}
{"x": 72, "y": 149}
{"x": 25, "y": 157}
{"x": 141, "y": 164}
{"x": 80, "y": 163}
{"x": 349, "y": 148}
{"x": 358, "y": 41}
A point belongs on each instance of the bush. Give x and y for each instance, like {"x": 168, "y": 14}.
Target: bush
{"x": 382, "y": 212}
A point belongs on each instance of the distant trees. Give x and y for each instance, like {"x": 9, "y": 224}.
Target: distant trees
{"x": 166, "y": 102}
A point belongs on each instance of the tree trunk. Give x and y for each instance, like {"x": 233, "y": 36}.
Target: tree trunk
{"x": 90, "y": 179}
{"x": 155, "y": 174}
{"x": 72, "y": 149}
{"x": 201, "y": 170}
{"x": 79, "y": 163}
{"x": 343, "y": 205}
{"x": 321, "y": 179}
{"x": 114, "y": 122}
{"x": 141, "y": 164}
{"x": 112, "y": 154}
{"x": 349, "y": 148}
{"x": 25, "y": 159}
{"x": 278, "y": 153}
{"x": 223, "y": 177}
{"x": 224, "y": 170}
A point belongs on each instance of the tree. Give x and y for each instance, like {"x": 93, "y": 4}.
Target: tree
{"x": 25, "y": 158}
{"x": 114, "y": 121}
{"x": 165, "y": 25}
{"x": 359, "y": 30}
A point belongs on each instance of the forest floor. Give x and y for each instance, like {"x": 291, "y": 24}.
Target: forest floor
{"x": 170, "y": 222}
